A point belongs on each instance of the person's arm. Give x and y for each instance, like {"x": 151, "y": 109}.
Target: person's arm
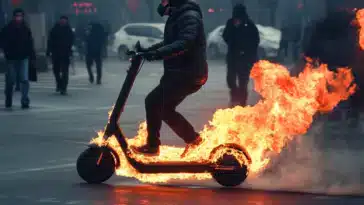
{"x": 31, "y": 48}
{"x": 255, "y": 36}
{"x": 226, "y": 33}
{"x": 154, "y": 47}
{"x": 3, "y": 36}
{"x": 50, "y": 42}
{"x": 189, "y": 25}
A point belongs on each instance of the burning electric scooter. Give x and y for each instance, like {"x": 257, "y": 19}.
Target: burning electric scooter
{"x": 228, "y": 163}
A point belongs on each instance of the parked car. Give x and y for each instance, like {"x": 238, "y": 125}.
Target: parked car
{"x": 126, "y": 38}
{"x": 269, "y": 42}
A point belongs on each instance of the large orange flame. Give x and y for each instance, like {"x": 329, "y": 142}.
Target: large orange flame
{"x": 286, "y": 110}
{"x": 360, "y": 20}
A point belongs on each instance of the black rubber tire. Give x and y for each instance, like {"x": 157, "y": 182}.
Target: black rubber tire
{"x": 122, "y": 53}
{"x": 96, "y": 165}
{"x": 228, "y": 178}
{"x": 213, "y": 52}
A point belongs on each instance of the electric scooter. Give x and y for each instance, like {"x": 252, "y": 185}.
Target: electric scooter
{"x": 98, "y": 163}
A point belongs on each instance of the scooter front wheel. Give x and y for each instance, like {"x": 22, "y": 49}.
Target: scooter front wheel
{"x": 96, "y": 164}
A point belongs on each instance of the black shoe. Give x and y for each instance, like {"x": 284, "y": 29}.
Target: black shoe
{"x": 63, "y": 92}
{"x": 192, "y": 146}
{"x": 91, "y": 79}
{"x": 146, "y": 150}
{"x": 8, "y": 103}
{"x": 98, "y": 82}
{"x": 25, "y": 106}
{"x": 17, "y": 89}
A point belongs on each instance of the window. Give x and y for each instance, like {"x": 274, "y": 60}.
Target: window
{"x": 144, "y": 31}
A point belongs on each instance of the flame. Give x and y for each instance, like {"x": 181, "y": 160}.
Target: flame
{"x": 360, "y": 21}
{"x": 286, "y": 110}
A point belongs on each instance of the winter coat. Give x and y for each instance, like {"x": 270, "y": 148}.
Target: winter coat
{"x": 17, "y": 42}
{"x": 242, "y": 41}
{"x": 95, "y": 39}
{"x": 60, "y": 41}
{"x": 184, "y": 44}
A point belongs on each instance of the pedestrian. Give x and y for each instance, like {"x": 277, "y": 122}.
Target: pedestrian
{"x": 334, "y": 41}
{"x": 242, "y": 38}
{"x": 17, "y": 44}
{"x": 60, "y": 44}
{"x": 79, "y": 40}
{"x": 185, "y": 72}
{"x": 95, "y": 42}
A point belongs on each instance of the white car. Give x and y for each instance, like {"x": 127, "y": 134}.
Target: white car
{"x": 126, "y": 38}
{"x": 270, "y": 39}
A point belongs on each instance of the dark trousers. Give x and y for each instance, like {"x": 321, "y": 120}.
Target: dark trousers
{"x": 238, "y": 71}
{"x": 90, "y": 59}
{"x": 61, "y": 72}
{"x": 160, "y": 105}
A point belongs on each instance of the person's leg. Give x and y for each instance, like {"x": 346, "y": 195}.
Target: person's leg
{"x": 10, "y": 78}
{"x": 98, "y": 61}
{"x": 153, "y": 110}
{"x": 231, "y": 76}
{"x": 23, "y": 67}
{"x": 243, "y": 89}
{"x": 172, "y": 97}
{"x": 243, "y": 78}
{"x": 161, "y": 105}
{"x": 17, "y": 82}
{"x": 56, "y": 71}
{"x": 65, "y": 75}
{"x": 89, "y": 62}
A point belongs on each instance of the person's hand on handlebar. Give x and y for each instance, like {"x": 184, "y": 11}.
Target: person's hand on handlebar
{"x": 150, "y": 55}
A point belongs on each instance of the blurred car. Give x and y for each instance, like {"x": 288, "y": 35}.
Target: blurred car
{"x": 270, "y": 39}
{"x": 128, "y": 35}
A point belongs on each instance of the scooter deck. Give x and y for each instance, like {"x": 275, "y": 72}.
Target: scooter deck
{"x": 178, "y": 167}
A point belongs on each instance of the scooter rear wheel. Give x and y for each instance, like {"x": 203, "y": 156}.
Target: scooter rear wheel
{"x": 96, "y": 165}
{"x": 230, "y": 178}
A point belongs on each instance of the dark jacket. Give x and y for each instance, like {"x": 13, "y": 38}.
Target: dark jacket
{"x": 60, "y": 41}
{"x": 95, "y": 39}
{"x": 242, "y": 41}
{"x": 17, "y": 42}
{"x": 184, "y": 44}
{"x": 333, "y": 40}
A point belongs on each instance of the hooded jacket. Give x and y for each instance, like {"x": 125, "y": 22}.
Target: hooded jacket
{"x": 184, "y": 44}
{"x": 61, "y": 39}
{"x": 243, "y": 39}
{"x": 95, "y": 39}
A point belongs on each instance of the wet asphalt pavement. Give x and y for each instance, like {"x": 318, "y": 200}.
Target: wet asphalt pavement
{"x": 39, "y": 147}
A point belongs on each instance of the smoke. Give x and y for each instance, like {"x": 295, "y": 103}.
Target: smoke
{"x": 327, "y": 160}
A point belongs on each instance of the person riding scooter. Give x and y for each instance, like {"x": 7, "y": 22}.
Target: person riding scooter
{"x": 185, "y": 72}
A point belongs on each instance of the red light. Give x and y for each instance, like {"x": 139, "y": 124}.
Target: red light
{"x": 133, "y": 5}
{"x": 16, "y": 2}
{"x": 211, "y": 10}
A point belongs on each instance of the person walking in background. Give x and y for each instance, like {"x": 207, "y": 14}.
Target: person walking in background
{"x": 242, "y": 38}
{"x": 95, "y": 44}
{"x": 60, "y": 42}
{"x": 17, "y": 44}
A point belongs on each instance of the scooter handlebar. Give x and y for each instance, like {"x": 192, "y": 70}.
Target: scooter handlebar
{"x": 134, "y": 54}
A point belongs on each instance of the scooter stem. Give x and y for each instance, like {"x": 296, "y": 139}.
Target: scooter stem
{"x": 112, "y": 126}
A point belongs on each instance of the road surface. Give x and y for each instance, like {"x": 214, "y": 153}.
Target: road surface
{"x": 39, "y": 147}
